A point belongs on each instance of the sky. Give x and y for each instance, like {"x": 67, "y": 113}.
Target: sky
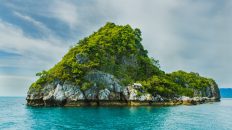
{"x": 190, "y": 35}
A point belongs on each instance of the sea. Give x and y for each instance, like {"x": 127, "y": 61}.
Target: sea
{"x": 15, "y": 115}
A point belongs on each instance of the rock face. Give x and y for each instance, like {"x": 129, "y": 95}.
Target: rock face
{"x": 68, "y": 94}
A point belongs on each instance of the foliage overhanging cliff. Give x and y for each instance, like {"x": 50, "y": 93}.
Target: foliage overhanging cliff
{"x": 117, "y": 50}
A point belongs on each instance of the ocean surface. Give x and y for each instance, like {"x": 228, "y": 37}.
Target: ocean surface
{"x": 226, "y": 92}
{"x": 15, "y": 115}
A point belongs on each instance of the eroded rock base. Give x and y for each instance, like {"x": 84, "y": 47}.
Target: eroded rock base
{"x": 120, "y": 103}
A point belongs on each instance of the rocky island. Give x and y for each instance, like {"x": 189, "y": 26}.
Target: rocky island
{"x": 112, "y": 68}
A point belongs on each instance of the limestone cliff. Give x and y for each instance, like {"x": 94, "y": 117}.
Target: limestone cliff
{"x": 111, "y": 67}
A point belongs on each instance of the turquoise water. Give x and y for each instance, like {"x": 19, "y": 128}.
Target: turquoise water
{"x": 15, "y": 115}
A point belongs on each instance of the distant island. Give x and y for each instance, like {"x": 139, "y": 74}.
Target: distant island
{"x": 226, "y": 92}
{"x": 112, "y": 68}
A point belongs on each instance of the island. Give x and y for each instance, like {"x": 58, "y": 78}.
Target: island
{"x": 112, "y": 68}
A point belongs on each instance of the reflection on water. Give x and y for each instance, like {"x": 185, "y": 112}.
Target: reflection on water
{"x": 15, "y": 115}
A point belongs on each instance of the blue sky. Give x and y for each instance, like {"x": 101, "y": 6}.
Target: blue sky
{"x": 182, "y": 34}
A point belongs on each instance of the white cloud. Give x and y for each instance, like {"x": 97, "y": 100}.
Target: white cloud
{"x": 41, "y": 51}
{"x": 35, "y": 55}
{"x": 65, "y": 11}
{"x": 39, "y": 25}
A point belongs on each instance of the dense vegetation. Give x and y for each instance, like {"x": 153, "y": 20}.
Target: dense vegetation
{"x": 176, "y": 83}
{"x": 117, "y": 50}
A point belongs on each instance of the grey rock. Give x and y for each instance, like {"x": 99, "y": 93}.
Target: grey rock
{"x": 145, "y": 97}
{"x": 59, "y": 94}
{"x": 137, "y": 85}
{"x": 115, "y": 96}
{"x": 49, "y": 96}
{"x": 158, "y": 98}
{"x": 91, "y": 93}
{"x": 185, "y": 98}
{"x": 47, "y": 88}
{"x": 109, "y": 81}
{"x": 72, "y": 92}
{"x": 104, "y": 94}
{"x": 82, "y": 58}
{"x": 130, "y": 93}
